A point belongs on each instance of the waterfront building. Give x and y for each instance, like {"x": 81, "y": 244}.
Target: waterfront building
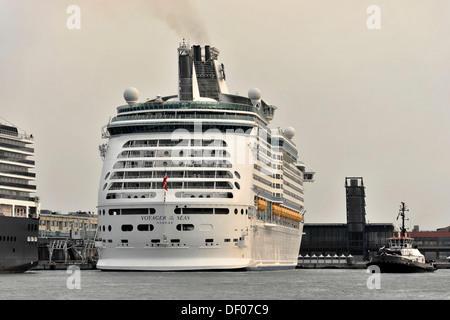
{"x": 435, "y": 245}
{"x": 53, "y": 224}
{"x": 64, "y": 237}
{"x": 333, "y": 238}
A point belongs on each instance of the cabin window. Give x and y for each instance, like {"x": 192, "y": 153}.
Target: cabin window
{"x": 185, "y": 227}
{"x": 127, "y": 227}
{"x": 222, "y": 211}
{"x": 145, "y": 227}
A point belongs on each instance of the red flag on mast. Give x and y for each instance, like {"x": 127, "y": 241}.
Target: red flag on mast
{"x": 164, "y": 184}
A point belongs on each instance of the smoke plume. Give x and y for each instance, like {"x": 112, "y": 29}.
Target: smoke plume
{"x": 182, "y": 17}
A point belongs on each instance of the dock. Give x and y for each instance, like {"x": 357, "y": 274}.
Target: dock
{"x": 343, "y": 262}
{"x": 48, "y": 265}
{"x": 329, "y": 262}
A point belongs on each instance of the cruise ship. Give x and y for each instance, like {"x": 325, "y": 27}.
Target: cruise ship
{"x": 19, "y": 206}
{"x": 198, "y": 180}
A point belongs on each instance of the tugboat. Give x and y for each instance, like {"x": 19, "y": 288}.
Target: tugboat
{"x": 401, "y": 256}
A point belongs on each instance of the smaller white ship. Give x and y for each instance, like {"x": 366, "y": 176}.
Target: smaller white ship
{"x": 401, "y": 256}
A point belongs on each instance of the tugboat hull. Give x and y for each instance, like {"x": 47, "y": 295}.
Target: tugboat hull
{"x": 396, "y": 264}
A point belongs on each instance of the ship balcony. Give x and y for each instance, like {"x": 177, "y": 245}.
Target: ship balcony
{"x": 22, "y": 162}
{"x": 173, "y": 163}
{"x": 16, "y": 136}
{"x": 192, "y": 116}
{"x": 17, "y": 186}
{"x": 17, "y": 149}
{"x": 19, "y": 175}
{"x": 157, "y": 185}
{"x": 16, "y": 197}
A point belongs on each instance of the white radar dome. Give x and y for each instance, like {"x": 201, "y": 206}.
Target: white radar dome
{"x": 131, "y": 95}
{"x": 289, "y": 132}
{"x": 254, "y": 94}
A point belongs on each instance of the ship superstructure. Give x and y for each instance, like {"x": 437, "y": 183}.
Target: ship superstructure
{"x": 19, "y": 206}
{"x": 198, "y": 180}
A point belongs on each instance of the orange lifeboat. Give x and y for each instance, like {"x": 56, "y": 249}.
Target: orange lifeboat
{"x": 291, "y": 214}
{"x": 298, "y": 217}
{"x": 277, "y": 210}
{"x": 262, "y": 205}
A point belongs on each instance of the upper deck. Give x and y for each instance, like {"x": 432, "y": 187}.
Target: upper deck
{"x": 202, "y": 96}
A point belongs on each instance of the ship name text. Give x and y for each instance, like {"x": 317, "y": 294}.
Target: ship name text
{"x": 163, "y": 219}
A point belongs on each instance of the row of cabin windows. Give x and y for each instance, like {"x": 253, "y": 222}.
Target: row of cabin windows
{"x": 171, "y": 185}
{"x": 216, "y": 163}
{"x": 176, "y": 242}
{"x": 187, "y": 194}
{"x": 8, "y": 238}
{"x": 173, "y": 174}
{"x": 203, "y": 153}
{"x": 172, "y": 143}
{"x": 147, "y": 211}
{"x": 146, "y": 227}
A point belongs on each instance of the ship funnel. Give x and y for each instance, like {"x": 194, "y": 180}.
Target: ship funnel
{"x": 199, "y": 76}
{"x": 184, "y": 72}
{"x": 197, "y": 53}
{"x": 207, "y": 53}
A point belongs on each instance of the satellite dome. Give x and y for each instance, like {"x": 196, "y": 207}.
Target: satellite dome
{"x": 131, "y": 95}
{"x": 289, "y": 132}
{"x": 254, "y": 94}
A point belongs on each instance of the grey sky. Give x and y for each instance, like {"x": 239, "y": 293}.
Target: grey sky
{"x": 370, "y": 103}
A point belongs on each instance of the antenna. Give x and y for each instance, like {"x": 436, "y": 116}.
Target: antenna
{"x": 402, "y": 214}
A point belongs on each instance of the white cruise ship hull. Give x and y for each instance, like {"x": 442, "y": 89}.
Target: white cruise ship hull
{"x": 266, "y": 246}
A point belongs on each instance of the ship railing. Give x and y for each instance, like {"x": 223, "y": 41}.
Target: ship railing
{"x": 19, "y": 135}
{"x": 11, "y": 146}
{"x": 194, "y": 143}
{"x": 185, "y": 105}
{"x": 183, "y": 116}
{"x": 18, "y": 185}
{"x": 30, "y": 162}
{"x": 6, "y": 196}
{"x": 20, "y": 173}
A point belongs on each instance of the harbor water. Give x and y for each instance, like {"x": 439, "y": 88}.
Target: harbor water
{"x": 297, "y": 284}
